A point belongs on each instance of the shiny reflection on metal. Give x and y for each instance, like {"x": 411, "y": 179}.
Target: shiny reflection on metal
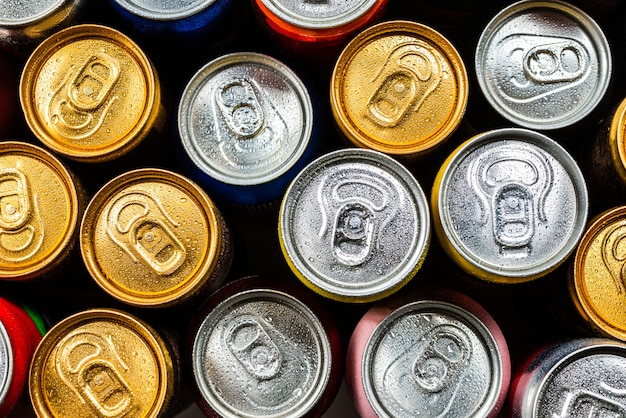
{"x": 319, "y": 14}
{"x": 165, "y": 9}
{"x": 6, "y": 363}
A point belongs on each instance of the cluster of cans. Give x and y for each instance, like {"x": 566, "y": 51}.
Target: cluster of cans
{"x": 250, "y": 202}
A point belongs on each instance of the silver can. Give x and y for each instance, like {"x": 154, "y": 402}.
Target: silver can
{"x": 6, "y": 365}
{"x": 509, "y": 205}
{"x": 543, "y": 64}
{"x": 354, "y": 225}
{"x": 577, "y": 378}
{"x": 245, "y": 121}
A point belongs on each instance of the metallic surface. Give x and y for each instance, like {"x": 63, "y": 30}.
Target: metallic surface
{"x": 543, "y": 64}
{"x": 599, "y": 281}
{"x": 261, "y": 353}
{"x": 153, "y": 238}
{"x": 165, "y": 9}
{"x": 40, "y": 207}
{"x": 314, "y": 14}
{"x": 577, "y": 378}
{"x": 101, "y": 362}
{"x": 509, "y": 205}
{"x": 354, "y": 225}
{"x": 6, "y": 363}
{"x": 90, "y": 94}
{"x": 400, "y": 88}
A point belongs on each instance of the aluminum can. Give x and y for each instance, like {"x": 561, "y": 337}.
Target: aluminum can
{"x": 152, "y": 238}
{"x": 40, "y": 207}
{"x": 102, "y": 362}
{"x": 576, "y": 378}
{"x": 246, "y": 122}
{"x": 19, "y": 335}
{"x": 597, "y": 283}
{"x": 543, "y": 64}
{"x": 264, "y": 348}
{"x": 23, "y": 24}
{"x": 509, "y": 205}
{"x": 317, "y": 28}
{"x": 90, "y": 94}
{"x": 354, "y": 225}
{"x": 435, "y": 353}
{"x": 398, "y": 77}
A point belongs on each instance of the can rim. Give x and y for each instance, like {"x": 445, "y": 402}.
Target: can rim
{"x": 188, "y": 287}
{"x": 587, "y": 24}
{"x": 401, "y": 275}
{"x": 457, "y": 250}
{"x": 133, "y": 6}
{"x": 6, "y": 378}
{"x": 202, "y": 77}
{"x": 56, "y": 6}
{"x": 617, "y": 140}
{"x": 252, "y": 295}
{"x": 351, "y": 129}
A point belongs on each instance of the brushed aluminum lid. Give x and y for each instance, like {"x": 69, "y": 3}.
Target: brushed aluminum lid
{"x": 17, "y": 13}
{"x": 165, "y": 9}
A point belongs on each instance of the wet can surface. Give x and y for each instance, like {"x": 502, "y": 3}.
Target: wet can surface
{"x": 509, "y": 205}
{"x": 576, "y": 378}
{"x": 245, "y": 121}
{"x": 90, "y": 94}
{"x": 40, "y": 208}
{"x": 437, "y": 353}
{"x": 394, "y": 78}
{"x": 102, "y": 362}
{"x": 262, "y": 348}
{"x": 543, "y": 64}
{"x": 597, "y": 284}
{"x": 152, "y": 238}
{"x": 354, "y": 225}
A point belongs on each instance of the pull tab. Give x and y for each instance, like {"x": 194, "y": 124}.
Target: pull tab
{"x": 410, "y": 74}
{"x": 614, "y": 255}
{"x": 93, "y": 83}
{"x": 513, "y": 214}
{"x": 240, "y": 108}
{"x": 353, "y": 233}
{"x": 555, "y": 62}
{"x": 253, "y": 348}
{"x": 14, "y": 199}
{"x": 90, "y": 366}
{"x": 590, "y": 405}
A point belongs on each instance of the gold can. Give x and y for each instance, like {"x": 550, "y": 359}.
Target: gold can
{"x": 40, "y": 208}
{"x": 400, "y": 88}
{"x": 102, "y": 363}
{"x": 598, "y": 281}
{"x": 153, "y": 238}
{"x": 91, "y": 94}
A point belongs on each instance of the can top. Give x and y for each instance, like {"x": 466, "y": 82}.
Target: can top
{"x": 543, "y": 64}
{"x": 354, "y": 225}
{"x": 617, "y": 140}
{"x": 319, "y": 14}
{"x": 6, "y": 363}
{"x": 245, "y": 118}
{"x": 599, "y": 281}
{"x": 89, "y": 93}
{"x": 151, "y": 237}
{"x": 432, "y": 358}
{"x": 39, "y": 210}
{"x": 509, "y": 205}
{"x": 22, "y": 13}
{"x": 101, "y": 361}
{"x": 260, "y": 353}
{"x": 397, "y": 78}
{"x": 165, "y": 9}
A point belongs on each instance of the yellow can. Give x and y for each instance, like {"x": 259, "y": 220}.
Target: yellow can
{"x": 40, "y": 208}
{"x": 90, "y": 93}
{"x": 598, "y": 282}
{"x": 400, "y": 88}
{"x": 153, "y": 238}
{"x": 102, "y": 363}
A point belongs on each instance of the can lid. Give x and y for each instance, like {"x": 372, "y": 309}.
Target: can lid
{"x": 165, "y": 9}
{"x": 151, "y": 237}
{"x": 543, "y": 64}
{"x": 22, "y": 13}
{"x": 6, "y": 363}
{"x": 245, "y": 119}
{"x": 354, "y": 225}
{"x": 90, "y": 93}
{"x": 432, "y": 358}
{"x": 319, "y": 14}
{"x": 509, "y": 205}
{"x": 39, "y": 210}
{"x": 400, "y": 88}
{"x": 617, "y": 140}
{"x": 101, "y": 361}
{"x": 599, "y": 281}
{"x": 261, "y": 352}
